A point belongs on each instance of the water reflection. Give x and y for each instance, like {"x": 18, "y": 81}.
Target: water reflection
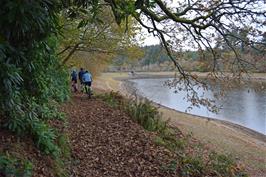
{"x": 242, "y": 105}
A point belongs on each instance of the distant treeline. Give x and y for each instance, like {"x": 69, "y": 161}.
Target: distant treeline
{"x": 155, "y": 58}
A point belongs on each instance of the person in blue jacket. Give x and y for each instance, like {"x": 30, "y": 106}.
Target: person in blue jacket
{"x": 87, "y": 78}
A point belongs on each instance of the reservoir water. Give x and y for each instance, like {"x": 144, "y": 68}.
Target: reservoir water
{"x": 242, "y": 105}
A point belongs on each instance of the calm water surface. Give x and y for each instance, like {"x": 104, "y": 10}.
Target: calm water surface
{"x": 242, "y": 106}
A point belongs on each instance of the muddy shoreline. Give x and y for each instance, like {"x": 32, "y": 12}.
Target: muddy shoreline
{"x": 129, "y": 88}
{"x": 146, "y": 75}
{"x": 246, "y": 145}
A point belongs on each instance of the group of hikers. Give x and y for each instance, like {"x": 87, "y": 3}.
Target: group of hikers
{"x": 85, "y": 79}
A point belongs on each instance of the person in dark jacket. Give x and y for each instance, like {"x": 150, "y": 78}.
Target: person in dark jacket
{"x": 81, "y": 72}
{"x": 74, "y": 79}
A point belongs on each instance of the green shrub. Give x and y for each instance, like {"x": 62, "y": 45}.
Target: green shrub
{"x": 113, "y": 98}
{"x": 44, "y": 137}
{"x": 142, "y": 111}
{"x": 191, "y": 166}
{"x": 10, "y": 166}
{"x": 223, "y": 165}
{"x": 63, "y": 143}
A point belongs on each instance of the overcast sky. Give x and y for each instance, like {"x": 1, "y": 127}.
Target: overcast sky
{"x": 149, "y": 39}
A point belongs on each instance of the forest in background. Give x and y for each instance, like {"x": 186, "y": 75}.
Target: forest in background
{"x": 155, "y": 58}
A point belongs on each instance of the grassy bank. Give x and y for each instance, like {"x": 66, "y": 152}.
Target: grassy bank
{"x": 189, "y": 156}
{"x": 249, "y": 149}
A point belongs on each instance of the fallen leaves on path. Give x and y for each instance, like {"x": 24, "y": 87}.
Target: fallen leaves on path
{"x": 106, "y": 142}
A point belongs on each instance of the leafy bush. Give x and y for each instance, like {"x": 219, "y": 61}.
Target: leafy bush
{"x": 112, "y": 98}
{"x": 191, "y": 166}
{"x": 63, "y": 143}
{"x": 10, "y": 166}
{"x": 31, "y": 78}
{"x": 223, "y": 165}
{"x": 44, "y": 138}
{"x": 145, "y": 114}
{"x": 141, "y": 111}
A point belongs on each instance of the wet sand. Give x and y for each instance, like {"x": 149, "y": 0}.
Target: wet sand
{"x": 244, "y": 144}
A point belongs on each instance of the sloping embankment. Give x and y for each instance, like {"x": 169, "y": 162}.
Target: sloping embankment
{"x": 245, "y": 145}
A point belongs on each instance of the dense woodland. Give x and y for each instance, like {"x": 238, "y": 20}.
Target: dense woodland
{"x": 154, "y": 58}
{"x": 41, "y": 40}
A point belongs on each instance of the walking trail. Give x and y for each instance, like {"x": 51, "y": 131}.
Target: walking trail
{"x": 106, "y": 142}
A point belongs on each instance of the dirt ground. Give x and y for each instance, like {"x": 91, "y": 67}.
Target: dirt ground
{"x": 106, "y": 142}
{"x": 243, "y": 144}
